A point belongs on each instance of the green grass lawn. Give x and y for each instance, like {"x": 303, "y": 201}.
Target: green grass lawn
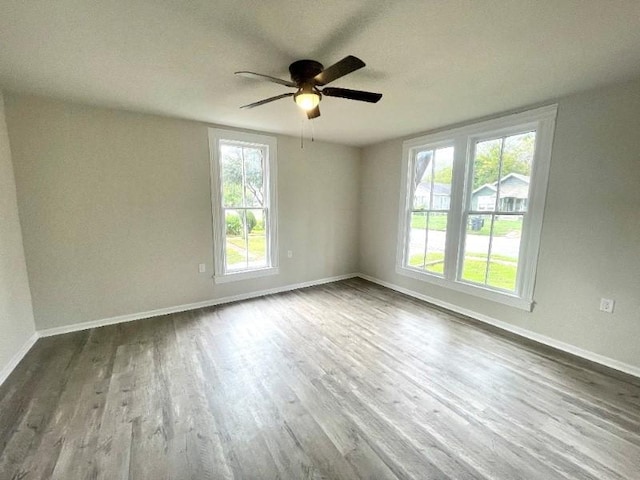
{"x": 438, "y": 222}
{"x": 257, "y": 244}
{"x": 501, "y": 275}
{"x": 233, "y": 257}
{"x": 236, "y": 245}
{"x": 435, "y": 262}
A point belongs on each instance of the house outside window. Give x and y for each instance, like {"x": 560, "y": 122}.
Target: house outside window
{"x": 472, "y": 203}
{"x": 243, "y": 173}
{"x": 515, "y": 188}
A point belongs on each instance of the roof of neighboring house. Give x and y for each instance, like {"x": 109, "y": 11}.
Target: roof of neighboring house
{"x": 424, "y": 189}
{"x": 487, "y": 186}
{"x": 519, "y": 176}
{"x": 513, "y": 185}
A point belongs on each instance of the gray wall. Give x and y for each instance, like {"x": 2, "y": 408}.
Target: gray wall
{"x": 16, "y": 315}
{"x": 116, "y": 216}
{"x": 116, "y": 210}
{"x": 591, "y": 233}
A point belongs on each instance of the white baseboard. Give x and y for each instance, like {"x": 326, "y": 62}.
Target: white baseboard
{"x": 523, "y": 332}
{"x": 183, "y": 308}
{"x": 19, "y": 355}
{"x": 579, "y": 352}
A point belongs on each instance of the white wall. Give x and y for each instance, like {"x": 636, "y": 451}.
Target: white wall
{"x": 116, "y": 211}
{"x": 16, "y": 315}
{"x": 591, "y": 233}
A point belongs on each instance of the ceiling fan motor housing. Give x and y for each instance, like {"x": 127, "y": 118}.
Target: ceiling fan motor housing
{"x": 303, "y": 71}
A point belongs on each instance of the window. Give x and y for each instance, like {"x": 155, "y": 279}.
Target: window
{"x": 244, "y": 204}
{"x": 472, "y": 204}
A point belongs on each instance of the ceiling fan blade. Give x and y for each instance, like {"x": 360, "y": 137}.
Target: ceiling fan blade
{"x": 343, "y": 67}
{"x": 315, "y": 113}
{"x": 267, "y": 100}
{"x": 268, "y": 78}
{"x": 352, "y": 94}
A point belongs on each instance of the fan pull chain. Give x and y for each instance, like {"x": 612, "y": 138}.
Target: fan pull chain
{"x": 302, "y": 133}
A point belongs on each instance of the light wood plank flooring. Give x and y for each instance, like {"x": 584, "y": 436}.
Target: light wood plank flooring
{"x": 342, "y": 381}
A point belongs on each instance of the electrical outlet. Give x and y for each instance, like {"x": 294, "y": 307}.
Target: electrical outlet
{"x": 289, "y": 253}
{"x": 202, "y": 268}
{"x": 606, "y": 305}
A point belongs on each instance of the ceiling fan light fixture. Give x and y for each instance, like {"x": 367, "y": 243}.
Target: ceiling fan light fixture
{"x": 307, "y": 99}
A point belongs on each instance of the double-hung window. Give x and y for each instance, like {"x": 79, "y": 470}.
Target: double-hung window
{"x": 243, "y": 172}
{"x": 472, "y": 203}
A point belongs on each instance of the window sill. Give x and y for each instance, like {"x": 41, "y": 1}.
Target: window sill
{"x": 469, "y": 289}
{"x": 246, "y": 275}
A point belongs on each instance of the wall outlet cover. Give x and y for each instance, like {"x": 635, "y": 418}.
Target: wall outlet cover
{"x": 606, "y": 305}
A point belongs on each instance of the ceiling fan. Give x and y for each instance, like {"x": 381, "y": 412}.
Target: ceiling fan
{"x": 307, "y": 76}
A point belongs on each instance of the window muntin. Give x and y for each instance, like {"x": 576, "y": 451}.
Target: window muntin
{"x": 490, "y": 199}
{"x": 243, "y": 200}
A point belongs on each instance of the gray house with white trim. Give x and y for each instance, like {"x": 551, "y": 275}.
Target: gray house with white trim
{"x": 514, "y": 194}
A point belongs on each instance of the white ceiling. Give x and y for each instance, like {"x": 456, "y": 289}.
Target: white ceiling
{"x": 436, "y": 62}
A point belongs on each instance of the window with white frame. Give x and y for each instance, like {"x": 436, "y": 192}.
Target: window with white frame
{"x": 472, "y": 204}
{"x": 243, "y": 173}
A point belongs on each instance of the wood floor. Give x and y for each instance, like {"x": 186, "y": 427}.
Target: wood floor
{"x": 342, "y": 381}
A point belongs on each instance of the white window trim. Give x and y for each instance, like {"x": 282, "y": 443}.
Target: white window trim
{"x": 464, "y": 138}
{"x": 219, "y": 227}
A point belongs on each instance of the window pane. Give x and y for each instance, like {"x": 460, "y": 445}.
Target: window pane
{"x": 476, "y": 248}
{"x": 417, "y": 234}
{"x": 517, "y": 157}
{"x": 257, "y": 238}
{"x": 441, "y": 179}
{"x": 436, "y": 239}
{"x": 231, "y": 165}
{"x": 253, "y": 171}
{"x": 427, "y": 241}
{"x": 492, "y": 259}
{"x": 505, "y": 250}
{"x": 486, "y": 170}
{"x": 432, "y": 178}
{"x": 235, "y": 240}
{"x": 422, "y": 180}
